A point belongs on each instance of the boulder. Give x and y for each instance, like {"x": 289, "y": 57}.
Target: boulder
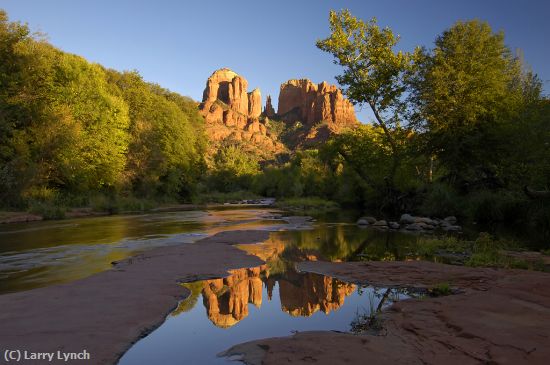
{"x": 425, "y": 220}
{"x": 414, "y": 227}
{"x": 451, "y": 228}
{"x": 371, "y": 220}
{"x": 451, "y": 219}
{"x": 362, "y": 222}
{"x": 394, "y": 225}
{"x": 407, "y": 219}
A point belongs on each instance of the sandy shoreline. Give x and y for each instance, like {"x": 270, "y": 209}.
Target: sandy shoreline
{"x": 500, "y": 317}
{"x": 106, "y": 313}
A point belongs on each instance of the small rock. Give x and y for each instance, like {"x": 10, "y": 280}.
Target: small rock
{"x": 406, "y": 219}
{"x": 414, "y": 227}
{"x": 451, "y": 228}
{"x": 451, "y": 219}
{"x": 362, "y": 222}
{"x": 371, "y": 220}
{"x": 424, "y": 220}
{"x": 393, "y": 225}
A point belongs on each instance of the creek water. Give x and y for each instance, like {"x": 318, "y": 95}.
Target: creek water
{"x": 37, "y": 254}
{"x": 270, "y": 300}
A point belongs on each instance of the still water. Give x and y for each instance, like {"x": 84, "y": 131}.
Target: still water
{"x": 251, "y": 304}
{"x": 38, "y": 254}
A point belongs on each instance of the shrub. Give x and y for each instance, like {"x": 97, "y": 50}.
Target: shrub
{"x": 440, "y": 201}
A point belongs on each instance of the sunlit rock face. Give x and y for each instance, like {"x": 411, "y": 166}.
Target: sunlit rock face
{"x": 311, "y": 293}
{"x": 226, "y": 300}
{"x": 232, "y": 114}
{"x": 254, "y": 104}
{"x": 309, "y": 103}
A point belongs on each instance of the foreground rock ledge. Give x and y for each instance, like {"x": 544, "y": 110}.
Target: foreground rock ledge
{"x": 502, "y": 317}
{"x": 107, "y": 312}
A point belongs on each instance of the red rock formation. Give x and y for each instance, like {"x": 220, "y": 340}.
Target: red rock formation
{"x": 254, "y": 104}
{"x": 233, "y": 114}
{"x": 302, "y": 100}
{"x": 225, "y": 85}
{"x": 269, "y": 111}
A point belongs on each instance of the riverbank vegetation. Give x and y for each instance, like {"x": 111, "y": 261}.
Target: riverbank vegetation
{"x": 460, "y": 128}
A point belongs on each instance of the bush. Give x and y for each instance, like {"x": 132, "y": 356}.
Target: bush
{"x": 307, "y": 205}
{"x": 47, "y": 210}
{"x": 494, "y": 206}
{"x": 428, "y": 247}
{"x": 440, "y": 290}
{"x": 441, "y": 201}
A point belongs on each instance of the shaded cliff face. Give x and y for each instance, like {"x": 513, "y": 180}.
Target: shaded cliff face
{"x": 233, "y": 114}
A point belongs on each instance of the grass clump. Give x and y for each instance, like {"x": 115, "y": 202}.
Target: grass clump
{"x": 440, "y": 290}
{"x": 431, "y": 246}
{"x": 367, "y": 322}
{"x": 309, "y": 205}
{"x": 490, "y": 252}
{"x": 47, "y": 210}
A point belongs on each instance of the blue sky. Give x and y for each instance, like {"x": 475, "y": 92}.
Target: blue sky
{"x": 178, "y": 44}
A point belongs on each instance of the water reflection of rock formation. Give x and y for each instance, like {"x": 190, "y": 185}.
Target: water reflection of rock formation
{"x": 226, "y": 300}
{"x": 303, "y": 295}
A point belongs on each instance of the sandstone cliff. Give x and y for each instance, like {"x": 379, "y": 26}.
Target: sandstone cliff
{"x": 232, "y": 114}
{"x": 302, "y": 100}
{"x": 321, "y": 109}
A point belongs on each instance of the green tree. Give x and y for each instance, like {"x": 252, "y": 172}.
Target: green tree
{"x": 166, "y": 138}
{"x": 233, "y": 169}
{"x": 373, "y": 72}
{"x": 61, "y": 129}
{"x": 468, "y": 91}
